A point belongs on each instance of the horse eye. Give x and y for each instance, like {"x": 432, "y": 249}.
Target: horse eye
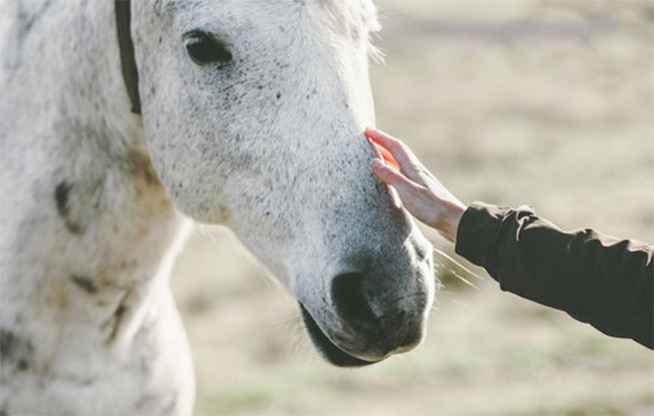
{"x": 204, "y": 49}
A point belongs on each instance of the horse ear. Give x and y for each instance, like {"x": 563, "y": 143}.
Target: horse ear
{"x": 127, "y": 58}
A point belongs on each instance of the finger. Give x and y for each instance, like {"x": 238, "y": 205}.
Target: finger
{"x": 375, "y": 148}
{"x": 404, "y": 156}
{"x": 382, "y": 138}
{"x": 390, "y": 176}
{"x": 385, "y": 154}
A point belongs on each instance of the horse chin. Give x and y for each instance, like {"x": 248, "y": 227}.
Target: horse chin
{"x": 330, "y": 351}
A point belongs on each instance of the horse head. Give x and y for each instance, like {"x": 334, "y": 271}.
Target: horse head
{"x": 253, "y": 113}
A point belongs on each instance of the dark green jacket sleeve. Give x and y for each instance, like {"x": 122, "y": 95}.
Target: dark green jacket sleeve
{"x": 601, "y": 280}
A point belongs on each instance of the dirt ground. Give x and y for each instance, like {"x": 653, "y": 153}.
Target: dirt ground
{"x": 511, "y": 102}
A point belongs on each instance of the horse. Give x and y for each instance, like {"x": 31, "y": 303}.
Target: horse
{"x": 125, "y": 123}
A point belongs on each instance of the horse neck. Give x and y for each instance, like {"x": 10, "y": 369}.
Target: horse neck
{"x": 90, "y": 217}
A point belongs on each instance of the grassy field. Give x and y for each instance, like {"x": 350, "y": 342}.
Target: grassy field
{"x": 543, "y": 103}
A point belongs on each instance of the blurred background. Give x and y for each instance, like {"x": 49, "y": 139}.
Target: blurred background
{"x": 547, "y": 103}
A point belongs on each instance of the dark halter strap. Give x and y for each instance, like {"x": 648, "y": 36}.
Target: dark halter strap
{"x": 127, "y": 58}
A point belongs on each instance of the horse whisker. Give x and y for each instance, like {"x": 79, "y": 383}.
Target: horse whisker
{"x": 460, "y": 303}
{"x": 464, "y": 280}
{"x": 448, "y": 257}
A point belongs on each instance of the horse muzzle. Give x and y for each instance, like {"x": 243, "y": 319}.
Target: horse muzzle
{"x": 371, "y": 316}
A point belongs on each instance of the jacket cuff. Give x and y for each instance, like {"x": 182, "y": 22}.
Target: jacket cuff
{"x": 477, "y": 231}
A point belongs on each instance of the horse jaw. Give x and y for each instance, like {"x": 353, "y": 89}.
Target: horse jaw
{"x": 271, "y": 145}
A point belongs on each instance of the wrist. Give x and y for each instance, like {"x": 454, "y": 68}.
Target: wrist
{"x": 448, "y": 226}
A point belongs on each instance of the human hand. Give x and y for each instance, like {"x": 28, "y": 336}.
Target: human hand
{"x": 421, "y": 193}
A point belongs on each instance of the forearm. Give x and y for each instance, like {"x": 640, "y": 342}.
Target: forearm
{"x": 596, "y": 279}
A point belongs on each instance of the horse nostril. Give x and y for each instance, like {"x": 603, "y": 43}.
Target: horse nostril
{"x": 351, "y": 302}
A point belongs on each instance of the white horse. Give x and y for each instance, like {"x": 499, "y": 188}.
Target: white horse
{"x": 248, "y": 114}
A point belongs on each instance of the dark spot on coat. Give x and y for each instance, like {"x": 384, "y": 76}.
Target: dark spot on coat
{"x": 116, "y": 319}
{"x": 62, "y": 196}
{"x": 7, "y": 341}
{"x": 15, "y": 350}
{"x": 120, "y": 311}
{"x": 84, "y": 283}
{"x": 139, "y": 164}
{"x": 279, "y": 95}
{"x": 25, "y": 22}
{"x": 22, "y": 364}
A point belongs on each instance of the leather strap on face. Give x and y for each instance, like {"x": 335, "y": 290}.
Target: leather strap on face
{"x": 127, "y": 58}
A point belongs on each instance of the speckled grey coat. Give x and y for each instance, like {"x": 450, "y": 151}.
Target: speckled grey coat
{"x": 96, "y": 201}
